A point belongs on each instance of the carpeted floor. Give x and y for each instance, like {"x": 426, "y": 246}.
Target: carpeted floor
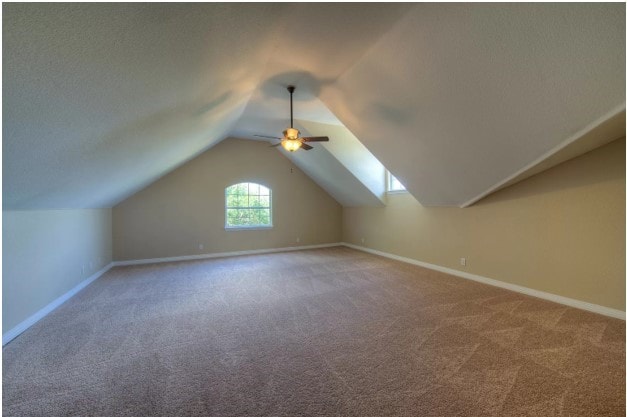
{"x": 317, "y": 333}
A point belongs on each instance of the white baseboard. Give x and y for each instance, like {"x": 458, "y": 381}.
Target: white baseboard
{"x": 595, "y": 308}
{"x": 220, "y": 254}
{"x": 17, "y": 330}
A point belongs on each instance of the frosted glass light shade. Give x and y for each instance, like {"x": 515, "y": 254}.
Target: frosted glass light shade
{"x": 291, "y": 145}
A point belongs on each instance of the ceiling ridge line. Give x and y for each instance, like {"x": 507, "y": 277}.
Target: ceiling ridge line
{"x": 275, "y": 39}
{"x": 374, "y": 44}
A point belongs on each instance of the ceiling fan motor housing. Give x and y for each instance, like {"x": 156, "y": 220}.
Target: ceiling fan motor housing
{"x": 291, "y": 134}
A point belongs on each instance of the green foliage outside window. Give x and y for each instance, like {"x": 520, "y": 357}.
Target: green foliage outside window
{"x": 248, "y": 205}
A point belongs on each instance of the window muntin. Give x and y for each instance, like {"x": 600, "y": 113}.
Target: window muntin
{"x": 248, "y": 205}
{"x": 394, "y": 185}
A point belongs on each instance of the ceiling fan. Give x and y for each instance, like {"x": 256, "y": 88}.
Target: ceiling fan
{"x": 291, "y": 140}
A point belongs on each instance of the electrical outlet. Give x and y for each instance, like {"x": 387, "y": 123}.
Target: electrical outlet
{"x": 462, "y": 261}
{"x": 363, "y": 240}
{"x": 297, "y": 240}
{"x": 201, "y": 246}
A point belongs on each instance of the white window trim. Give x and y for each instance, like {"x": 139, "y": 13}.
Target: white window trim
{"x": 242, "y": 228}
{"x": 388, "y": 182}
{"x": 253, "y": 227}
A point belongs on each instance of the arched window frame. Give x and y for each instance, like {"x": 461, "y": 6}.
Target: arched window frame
{"x": 247, "y": 206}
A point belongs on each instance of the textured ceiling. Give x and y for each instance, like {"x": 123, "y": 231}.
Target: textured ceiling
{"x": 100, "y": 100}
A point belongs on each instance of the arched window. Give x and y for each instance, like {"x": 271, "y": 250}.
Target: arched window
{"x": 248, "y": 205}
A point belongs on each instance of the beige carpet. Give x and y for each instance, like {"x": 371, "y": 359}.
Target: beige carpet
{"x": 317, "y": 333}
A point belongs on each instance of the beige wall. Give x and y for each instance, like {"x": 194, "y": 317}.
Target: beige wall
{"x": 561, "y": 231}
{"x": 46, "y": 253}
{"x": 185, "y": 209}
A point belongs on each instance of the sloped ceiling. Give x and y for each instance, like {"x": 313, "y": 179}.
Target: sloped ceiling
{"x": 99, "y": 100}
{"x": 456, "y": 99}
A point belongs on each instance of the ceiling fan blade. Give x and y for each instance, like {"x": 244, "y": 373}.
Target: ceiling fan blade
{"x": 274, "y": 146}
{"x": 267, "y": 137}
{"x": 316, "y": 139}
{"x": 306, "y": 147}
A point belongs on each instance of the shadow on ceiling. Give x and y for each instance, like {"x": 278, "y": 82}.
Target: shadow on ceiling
{"x": 307, "y": 86}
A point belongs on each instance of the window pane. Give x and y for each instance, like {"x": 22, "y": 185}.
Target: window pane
{"x": 253, "y": 189}
{"x": 253, "y": 201}
{"x": 260, "y": 216}
{"x": 241, "y": 189}
{"x": 244, "y": 217}
{"x": 264, "y": 190}
{"x": 265, "y": 217}
{"x": 254, "y": 217}
{"x": 231, "y": 216}
{"x": 242, "y": 201}
{"x": 394, "y": 184}
{"x": 237, "y": 189}
{"x": 231, "y": 200}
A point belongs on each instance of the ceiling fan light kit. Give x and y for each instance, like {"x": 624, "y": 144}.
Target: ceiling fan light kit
{"x": 291, "y": 145}
{"x": 291, "y": 140}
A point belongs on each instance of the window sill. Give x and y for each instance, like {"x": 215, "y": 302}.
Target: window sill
{"x": 239, "y": 228}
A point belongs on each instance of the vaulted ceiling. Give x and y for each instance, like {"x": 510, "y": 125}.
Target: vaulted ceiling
{"x": 456, "y": 100}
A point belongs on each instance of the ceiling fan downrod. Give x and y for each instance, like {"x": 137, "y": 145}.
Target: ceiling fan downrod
{"x": 291, "y": 89}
